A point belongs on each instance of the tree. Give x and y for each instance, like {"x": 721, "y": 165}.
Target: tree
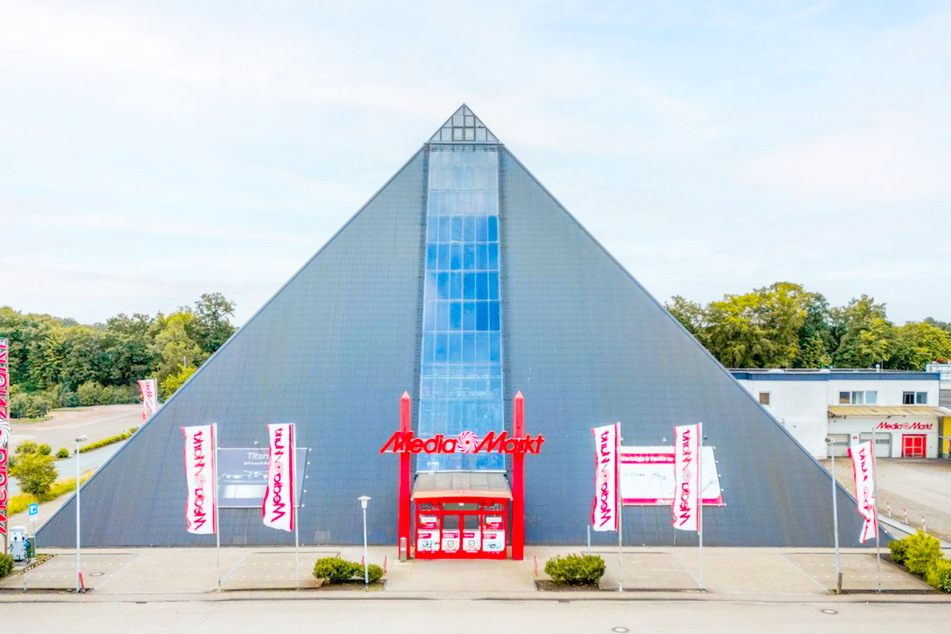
{"x": 172, "y": 382}
{"x": 864, "y": 334}
{"x": 688, "y": 313}
{"x": 36, "y": 473}
{"x": 212, "y": 324}
{"x": 916, "y": 344}
{"x": 126, "y": 348}
{"x": 173, "y": 347}
{"x": 943, "y": 325}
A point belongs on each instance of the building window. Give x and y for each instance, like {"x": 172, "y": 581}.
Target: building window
{"x": 908, "y": 398}
{"x": 858, "y": 397}
{"x": 764, "y": 398}
{"x": 921, "y": 398}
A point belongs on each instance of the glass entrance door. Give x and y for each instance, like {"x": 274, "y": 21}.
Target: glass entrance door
{"x": 461, "y": 529}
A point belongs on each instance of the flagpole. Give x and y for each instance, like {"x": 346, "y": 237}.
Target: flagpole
{"x": 878, "y": 555}
{"x": 217, "y": 519}
{"x": 700, "y": 497}
{"x": 296, "y": 501}
{"x": 620, "y": 507}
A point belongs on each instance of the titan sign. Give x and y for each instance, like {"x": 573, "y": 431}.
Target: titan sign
{"x": 4, "y": 435}
{"x": 466, "y": 442}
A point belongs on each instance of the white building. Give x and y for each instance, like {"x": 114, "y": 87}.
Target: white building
{"x": 901, "y": 409}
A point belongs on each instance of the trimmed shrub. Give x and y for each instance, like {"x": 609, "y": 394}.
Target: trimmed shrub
{"x": 62, "y": 453}
{"x": 6, "y": 565}
{"x": 922, "y": 550}
{"x": 44, "y": 449}
{"x": 335, "y": 569}
{"x": 938, "y": 575}
{"x": 898, "y": 548}
{"x": 105, "y": 441}
{"x": 575, "y": 570}
{"x": 374, "y": 572}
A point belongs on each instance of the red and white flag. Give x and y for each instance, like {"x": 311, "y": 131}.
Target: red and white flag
{"x": 149, "y": 389}
{"x": 278, "y": 508}
{"x": 200, "y": 473}
{"x": 863, "y": 468}
{"x": 604, "y": 515}
{"x": 686, "y": 506}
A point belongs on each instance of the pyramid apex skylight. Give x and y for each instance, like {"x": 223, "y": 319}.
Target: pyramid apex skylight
{"x": 463, "y": 127}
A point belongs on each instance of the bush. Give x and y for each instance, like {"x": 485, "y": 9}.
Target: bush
{"x": 105, "y": 441}
{"x": 938, "y": 575}
{"x": 35, "y": 472}
{"x": 922, "y": 550}
{"x": 334, "y": 569}
{"x": 44, "y": 449}
{"x": 6, "y": 565}
{"x": 27, "y": 405}
{"x": 575, "y": 570}
{"x": 337, "y": 570}
{"x": 62, "y": 453}
{"x": 898, "y": 548}
{"x": 27, "y": 447}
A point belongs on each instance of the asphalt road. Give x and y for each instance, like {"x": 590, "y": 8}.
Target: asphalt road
{"x": 410, "y": 616}
{"x": 65, "y": 425}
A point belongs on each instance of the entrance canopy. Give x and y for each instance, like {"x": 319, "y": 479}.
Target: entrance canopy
{"x": 461, "y": 484}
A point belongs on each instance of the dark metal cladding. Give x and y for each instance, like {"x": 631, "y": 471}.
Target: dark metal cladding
{"x": 334, "y": 349}
{"x": 588, "y": 346}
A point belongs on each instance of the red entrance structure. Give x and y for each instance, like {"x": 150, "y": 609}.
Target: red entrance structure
{"x": 464, "y": 515}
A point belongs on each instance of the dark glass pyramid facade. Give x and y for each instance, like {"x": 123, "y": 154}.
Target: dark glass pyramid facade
{"x": 377, "y": 311}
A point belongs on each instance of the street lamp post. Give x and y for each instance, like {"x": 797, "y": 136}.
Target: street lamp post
{"x": 835, "y": 521}
{"x": 79, "y": 568}
{"x": 364, "y": 499}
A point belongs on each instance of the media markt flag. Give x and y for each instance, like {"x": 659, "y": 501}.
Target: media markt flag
{"x": 606, "y": 488}
{"x": 200, "y": 473}
{"x": 863, "y": 468}
{"x": 686, "y": 506}
{"x": 149, "y": 389}
{"x": 278, "y": 508}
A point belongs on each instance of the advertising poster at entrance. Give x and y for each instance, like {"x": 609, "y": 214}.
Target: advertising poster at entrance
{"x": 242, "y": 476}
{"x": 604, "y": 515}
{"x": 863, "y": 469}
{"x": 279, "y": 505}
{"x": 647, "y": 477}
{"x": 4, "y": 434}
{"x": 200, "y": 505}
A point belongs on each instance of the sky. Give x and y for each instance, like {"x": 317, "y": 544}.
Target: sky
{"x": 154, "y": 151}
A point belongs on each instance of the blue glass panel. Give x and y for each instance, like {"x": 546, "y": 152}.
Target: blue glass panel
{"x": 482, "y": 347}
{"x": 469, "y": 286}
{"x": 468, "y": 233}
{"x": 495, "y": 351}
{"x": 493, "y": 224}
{"x": 457, "y": 228}
{"x": 494, "y": 317}
{"x": 493, "y": 257}
{"x": 482, "y": 257}
{"x": 455, "y": 262}
{"x": 441, "y": 343}
{"x": 443, "y": 258}
{"x": 442, "y": 290}
{"x": 442, "y": 315}
{"x": 428, "y": 346}
{"x": 482, "y": 234}
{"x": 429, "y": 316}
{"x": 469, "y": 347}
{"x": 482, "y": 316}
{"x": 468, "y": 315}
{"x": 455, "y": 285}
{"x": 455, "y": 348}
{"x": 445, "y": 230}
{"x": 455, "y": 316}
{"x": 482, "y": 286}
{"x": 493, "y": 285}
{"x": 431, "y": 257}
{"x": 432, "y": 230}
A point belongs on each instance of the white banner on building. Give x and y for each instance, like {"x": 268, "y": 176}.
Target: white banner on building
{"x": 149, "y": 389}
{"x": 647, "y": 476}
{"x": 863, "y": 469}
{"x": 201, "y": 515}
{"x": 278, "y": 508}
{"x": 604, "y": 514}
{"x": 686, "y": 505}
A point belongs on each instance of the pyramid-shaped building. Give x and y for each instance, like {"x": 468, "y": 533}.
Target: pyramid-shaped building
{"x": 462, "y": 282}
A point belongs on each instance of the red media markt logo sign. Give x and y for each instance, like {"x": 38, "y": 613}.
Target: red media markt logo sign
{"x": 466, "y": 442}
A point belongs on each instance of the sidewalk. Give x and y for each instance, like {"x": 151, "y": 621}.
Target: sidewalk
{"x": 754, "y": 574}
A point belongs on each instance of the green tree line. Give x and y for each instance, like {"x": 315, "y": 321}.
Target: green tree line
{"x": 785, "y": 326}
{"x": 58, "y": 362}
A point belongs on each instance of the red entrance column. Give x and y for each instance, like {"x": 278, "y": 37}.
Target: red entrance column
{"x": 406, "y": 428}
{"x": 518, "y": 482}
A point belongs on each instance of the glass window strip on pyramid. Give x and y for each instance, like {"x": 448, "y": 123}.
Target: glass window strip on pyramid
{"x": 461, "y": 353}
